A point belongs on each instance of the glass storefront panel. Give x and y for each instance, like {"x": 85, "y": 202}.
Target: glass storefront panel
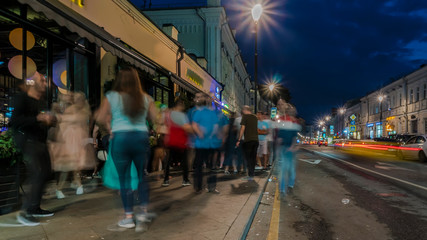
{"x": 51, "y": 50}
{"x": 10, "y": 66}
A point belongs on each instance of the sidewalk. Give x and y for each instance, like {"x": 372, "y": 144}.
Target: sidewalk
{"x": 182, "y": 214}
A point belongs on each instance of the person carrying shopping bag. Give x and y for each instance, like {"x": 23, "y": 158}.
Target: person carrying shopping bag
{"x": 125, "y": 111}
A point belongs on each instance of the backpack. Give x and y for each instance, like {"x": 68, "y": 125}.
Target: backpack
{"x": 177, "y": 137}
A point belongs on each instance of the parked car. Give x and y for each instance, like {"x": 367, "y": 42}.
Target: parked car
{"x": 413, "y": 149}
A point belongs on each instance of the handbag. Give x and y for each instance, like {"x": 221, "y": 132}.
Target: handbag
{"x": 177, "y": 137}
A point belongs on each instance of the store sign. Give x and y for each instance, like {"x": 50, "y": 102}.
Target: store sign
{"x": 80, "y": 3}
{"x": 379, "y": 123}
{"x": 331, "y": 129}
{"x": 369, "y": 125}
{"x": 192, "y": 76}
{"x": 273, "y": 112}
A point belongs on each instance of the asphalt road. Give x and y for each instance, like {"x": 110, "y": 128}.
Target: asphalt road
{"x": 346, "y": 195}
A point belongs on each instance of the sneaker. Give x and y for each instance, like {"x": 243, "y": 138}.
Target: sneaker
{"x": 258, "y": 168}
{"x": 79, "y": 190}
{"x": 26, "y": 219}
{"x": 247, "y": 178}
{"x": 214, "y": 191}
{"x": 235, "y": 172}
{"x": 59, "y": 194}
{"x": 290, "y": 190}
{"x": 145, "y": 217}
{"x": 126, "y": 223}
{"x": 40, "y": 213}
{"x": 226, "y": 172}
{"x": 186, "y": 183}
{"x": 165, "y": 183}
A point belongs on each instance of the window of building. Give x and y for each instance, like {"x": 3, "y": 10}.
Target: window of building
{"x": 425, "y": 91}
{"x": 414, "y": 126}
{"x": 417, "y": 96}
{"x": 400, "y": 99}
{"x": 411, "y": 96}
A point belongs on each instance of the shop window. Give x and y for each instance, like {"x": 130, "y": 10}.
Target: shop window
{"x": 379, "y": 131}
{"x": 81, "y": 73}
{"x": 11, "y": 61}
{"x": 166, "y": 98}
{"x": 164, "y": 80}
{"x": 159, "y": 95}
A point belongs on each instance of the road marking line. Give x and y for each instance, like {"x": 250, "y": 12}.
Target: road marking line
{"x": 317, "y": 161}
{"x": 368, "y": 170}
{"x": 273, "y": 232}
{"x": 392, "y": 166}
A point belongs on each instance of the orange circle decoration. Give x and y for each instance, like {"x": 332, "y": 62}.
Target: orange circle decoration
{"x": 15, "y": 67}
{"x": 15, "y": 38}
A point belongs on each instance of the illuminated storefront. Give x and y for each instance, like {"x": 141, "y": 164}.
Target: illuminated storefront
{"x": 79, "y": 48}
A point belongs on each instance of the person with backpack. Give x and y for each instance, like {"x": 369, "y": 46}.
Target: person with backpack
{"x": 177, "y": 140}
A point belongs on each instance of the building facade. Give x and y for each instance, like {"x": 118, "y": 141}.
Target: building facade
{"x": 397, "y": 108}
{"x": 208, "y": 38}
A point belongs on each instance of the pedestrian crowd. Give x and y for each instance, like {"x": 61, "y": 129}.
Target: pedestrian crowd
{"x": 116, "y": 142}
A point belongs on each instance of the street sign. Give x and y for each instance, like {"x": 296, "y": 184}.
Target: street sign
{"x": 352, "y": 122}
{"x": 352, "y": 128}
{"x": 352, "y": 117}
{"x": 273, "y": 112}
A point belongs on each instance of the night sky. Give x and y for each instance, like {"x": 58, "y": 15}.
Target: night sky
{"x": 329, "y": 51}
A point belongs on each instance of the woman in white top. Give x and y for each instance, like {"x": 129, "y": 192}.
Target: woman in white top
{"x": 125, "y": 112}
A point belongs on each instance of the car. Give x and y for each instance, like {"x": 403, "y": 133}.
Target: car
{"x": 414, "y": 149}
{"x": 322, "y": 142}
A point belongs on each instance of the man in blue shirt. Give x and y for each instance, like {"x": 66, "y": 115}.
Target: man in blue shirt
{"x": 205, "y": 123}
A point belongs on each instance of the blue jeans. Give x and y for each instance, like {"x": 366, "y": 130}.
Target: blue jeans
{"x": 128, "y": 147}
{"x": 286, "y": 168}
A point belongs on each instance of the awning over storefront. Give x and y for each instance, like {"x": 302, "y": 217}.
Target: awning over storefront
{"x": 68, "y": 18}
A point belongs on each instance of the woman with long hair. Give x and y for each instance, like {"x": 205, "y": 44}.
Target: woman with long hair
{"x": 125, "y": 112}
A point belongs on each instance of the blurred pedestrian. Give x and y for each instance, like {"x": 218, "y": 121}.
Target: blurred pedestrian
{"x": 269, "y": 139}
{"x": 205, "y": 125}
{"x": 249, "y": 129}
{"x": 230, "y": 145}
{"x": 263, "y": 129}
{"x": 287, "y": 129}
{"x": 30, "y": 123}
{"x": 71, "y": 151}
{"x": 125, "y": 111}
{"x": 177, "y": 140}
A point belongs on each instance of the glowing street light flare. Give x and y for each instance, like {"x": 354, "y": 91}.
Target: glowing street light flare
{"x": 257, "y": 12}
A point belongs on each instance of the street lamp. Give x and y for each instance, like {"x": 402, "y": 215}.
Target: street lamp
{"x": 341, "y": 112}
{"x": 380, "y": 99}
{"x": 256, "y": 15}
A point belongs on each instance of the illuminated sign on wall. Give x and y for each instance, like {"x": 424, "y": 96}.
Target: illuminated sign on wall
{"x": 80, "y": 3}
{"x": 192, "y": 76}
